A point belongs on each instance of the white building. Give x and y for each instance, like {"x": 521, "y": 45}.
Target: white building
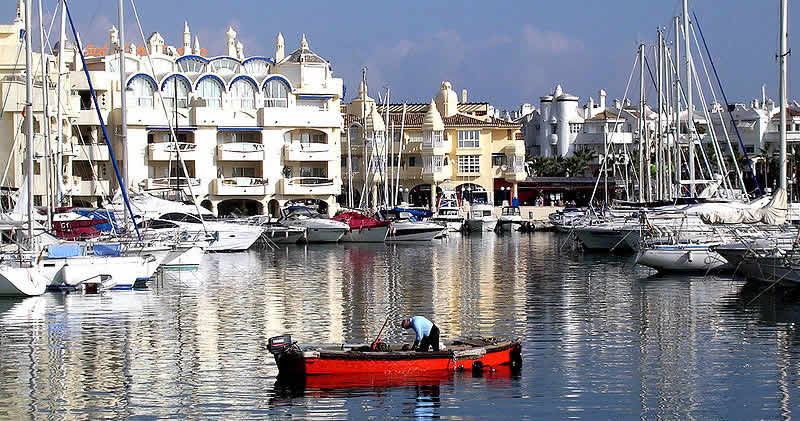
{"x": 254, "y": 132}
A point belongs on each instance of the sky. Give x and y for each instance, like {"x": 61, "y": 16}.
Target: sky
{"x": 503, "y": 52}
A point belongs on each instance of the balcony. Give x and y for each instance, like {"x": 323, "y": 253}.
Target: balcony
{"x": 168, "y": 183}
{"x": 297, "y": 151}
{"x": 165, "y": 151}
{"x": 241, "y": 186}
{"x": 240, "y": 151}
{"x": 91, "y": 151}
{"x": 81, "y": 187}
{"x": 309, "y": 186}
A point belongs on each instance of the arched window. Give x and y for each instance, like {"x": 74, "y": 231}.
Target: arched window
{"x": 191, "y": 64}
{"x": 140, "y": 92}
{"x": 256, "y": 66}
{"x": 224, "y": 65}
{"x": 211, "y": 91}
{"x": 276, "y": 94}
{"x": 243, "y": 94}
{"x": 172, "y": 84}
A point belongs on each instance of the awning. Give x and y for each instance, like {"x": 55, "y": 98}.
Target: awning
{"x": 239, "y": 129}
{"x": 166, "y": 128}
{"x": 315, "y": 96}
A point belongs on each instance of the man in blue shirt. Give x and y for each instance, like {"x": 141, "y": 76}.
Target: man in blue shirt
{"x": 427, "y": 333}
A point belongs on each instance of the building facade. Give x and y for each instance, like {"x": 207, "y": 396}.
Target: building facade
{"x": 438, "y": 146}
{"x": 253, "y": 132}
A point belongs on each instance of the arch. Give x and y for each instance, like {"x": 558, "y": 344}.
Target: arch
{"x": 306, "y": 136}
{"x": 140, "y": 90}
{"x": 224, "y": 63}
{"x": 258, "y": 58}
{"x": 280, "y": 78}
{"x": 472, "y": 192}
{"x": 176, "y": 75}
{"x": 274, "y": 208}
{"x": 210, "y": 88}
{"x": 243, "y": 92}
{"x": 241, "y": 207}
{"x": 319, "y": 205}
{"x": 191, "y": 63}
{"x": 276, "y": 91}
{"x": 257, "y": 65}
{"x": 420, "y": 195}
{"x": 143, "y": 76}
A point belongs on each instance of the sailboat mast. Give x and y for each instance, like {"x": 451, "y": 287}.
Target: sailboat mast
{"x": 677, "y": 109}
{"x": 29, "y": 117}
{"x": 59, "y": 130}
{"x": 45, "y": 122}
{"x": 659, "y": 142}
{"x": 784, "y": 52}
{"x": 641, "y": 123}
{"x": 123, "y": 110}
{"x": 689, "y": 107}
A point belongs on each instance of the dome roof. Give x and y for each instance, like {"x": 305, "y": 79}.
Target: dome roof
{"x": 433, "y": 120}
{"x": 447, "y": 100}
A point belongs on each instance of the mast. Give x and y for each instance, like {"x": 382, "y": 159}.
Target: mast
{"x": 59, "y": 130}
{"x": 784, "y": 52}
{"x": 123, "y": 93}
{"x": 689, "y": 107}
{"x": 349, "y": 170}
{"x": 659, "y": 143}
{"x": 29, "y": 118}
{"x": 45, "y": 122}
{"x": 400, "y": 153}
{"x": 677, "y": 109}
{"x": 641, "y": 123}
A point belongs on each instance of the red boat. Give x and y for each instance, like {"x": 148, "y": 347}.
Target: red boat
{"x": 363, "y": 229}
{"x": 477, "y": 354}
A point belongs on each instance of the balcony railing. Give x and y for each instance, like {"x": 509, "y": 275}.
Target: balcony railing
{"x": 81, "y": 187}
{"x": 241, "y": 186}
{"x": 166, "y": 151}
{"x": 309, "y": 186}
{"x": 169, "y": 182}
{"x": 91, "y": 151}
{"x": 240, "y": 151}
{"x": 298, "y": 151}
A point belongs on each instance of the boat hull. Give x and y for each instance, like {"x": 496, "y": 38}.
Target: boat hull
{"x": 324, "y": 235}
{"x": 481, "y": 225}
{"x": 681, "y": 259}
{"x": 110, "y": 272}
{"x": 21, "y": 282}
{"x": 366, "y": 235}
{"x": 411, "y": 231}
{"x": 317, "y": 363}
{"x": 183, "y": 258}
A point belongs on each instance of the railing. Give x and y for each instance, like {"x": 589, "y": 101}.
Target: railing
{"x": 170, "y": 147}
{"x": 169, "y": 182}
{"x": 298, "y": 151}
{"x": 309, "y": 186}
{"x": 240, "y": 151}
{"x": 240, "y": 186}
{"x": 241, "y": 147}
{"x": 311, "y": 181}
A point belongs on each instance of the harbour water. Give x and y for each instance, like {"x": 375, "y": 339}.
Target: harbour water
{"x": 602, "y": 339}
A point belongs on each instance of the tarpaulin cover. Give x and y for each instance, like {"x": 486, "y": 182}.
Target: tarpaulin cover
{"x": 114, "y": 250}
{"x": 64, "y": 250}
{"x": 773, "y": 213}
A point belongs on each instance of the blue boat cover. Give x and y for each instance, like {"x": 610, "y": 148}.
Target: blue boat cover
{"x": 63, "y": 250}
{"x": 113, "y": 250}
{"x": 417, "y": 213}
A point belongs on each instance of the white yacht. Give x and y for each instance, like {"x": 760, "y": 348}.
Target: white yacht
{"x": 221, "y": 236}
{"x": 481, "y": 218}
{"x": 21, "y": 281}
{"x": 405, "y": 228}
{"x": 510, "y": 219}
{"x": 99, "y": 266}
{"x": 449, "y": 212}
{"x": 318, "y": 228}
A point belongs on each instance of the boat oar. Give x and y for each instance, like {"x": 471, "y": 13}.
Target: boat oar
{"x": 377, "y": 338}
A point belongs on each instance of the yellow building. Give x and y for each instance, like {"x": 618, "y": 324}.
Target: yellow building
{"x": 436, "y": 147}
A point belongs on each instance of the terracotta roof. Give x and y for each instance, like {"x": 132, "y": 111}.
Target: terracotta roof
{"x": 414, "y": 121}
{"x": 464, "y": 107}
{"x": 605, "y": 115}
{"x": 790, "y": 112}
{"x": 307, "y": 55}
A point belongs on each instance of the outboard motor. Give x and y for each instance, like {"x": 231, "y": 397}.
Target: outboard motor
{"x": 278, "y": 344}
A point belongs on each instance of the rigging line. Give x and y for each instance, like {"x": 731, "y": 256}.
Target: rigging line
{"x": 722, "y": 122}
{"x": 727, "y": 104}
{"x": 169, "y": 121}
{"x": 124, "y": 188}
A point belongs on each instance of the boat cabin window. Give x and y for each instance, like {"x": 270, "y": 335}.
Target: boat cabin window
{"x": 449, "y": 212}
{"x": 184, "y": 217}
{"x": 157, "y": 224}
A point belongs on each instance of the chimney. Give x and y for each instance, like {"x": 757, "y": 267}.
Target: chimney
{"x": 463, "y": 96}
{"x": 602, "y": 95}
{"x": 279, "y": 48}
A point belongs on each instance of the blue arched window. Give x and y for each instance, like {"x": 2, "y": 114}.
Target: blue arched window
{"x": 243, "y": 93}
{"x": 140, "y": 91}
{"x": 210, "y": 89}
{"x": 175, "y": 89}
{"x": 276, "y": 93}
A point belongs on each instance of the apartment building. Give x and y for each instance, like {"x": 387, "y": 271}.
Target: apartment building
{"x": 253, "y": 132}
{"x": 432, "y": 147}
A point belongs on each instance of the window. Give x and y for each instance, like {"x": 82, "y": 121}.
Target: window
{"x": 243, "y": 94}
{"x": 469, "y": 164}
{"x": 86, "y": 100}
{"x": 313, "y": 104}
{"x": 211, "y": 91}
{"x": 749, "y": 148}
{"x": 276, "y": 94}
{"x": 244, "y": 172}
{"x": 553, "y": 127}
{"x": 257, "y": 67}
{"x": 191, "y": 64}
{"x": 469, "y": 139}
{"x": 308, "y": 137}
{"x": 313, "y": 172}
{"x": 412, "y": 161}
{"x": 168, "y": 93}
{"x": 415, "y": 137}
{"x": 140, "y": 92}
{"x": 498, "y": 159}
{"x": 224, "y": 65}
{"x": 355, "y": 134}
{"x": 575, "y": 128}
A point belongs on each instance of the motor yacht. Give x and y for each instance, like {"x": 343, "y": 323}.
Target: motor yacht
{"x": 318, "y": 228}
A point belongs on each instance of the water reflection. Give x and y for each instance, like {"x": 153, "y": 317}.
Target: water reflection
{"x": 600, "y": 337}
